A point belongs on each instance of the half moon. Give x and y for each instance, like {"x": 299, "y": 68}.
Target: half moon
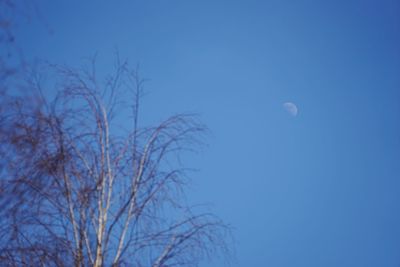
{"x": 291, "y": 108}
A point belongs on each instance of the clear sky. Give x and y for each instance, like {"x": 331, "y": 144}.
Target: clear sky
{"x": 318, "y": 189}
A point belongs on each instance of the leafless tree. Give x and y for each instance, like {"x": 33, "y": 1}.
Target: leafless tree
{"x": 81, "y": 186}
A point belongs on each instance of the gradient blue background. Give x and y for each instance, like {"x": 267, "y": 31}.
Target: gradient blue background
{"x": 319, "y": 189}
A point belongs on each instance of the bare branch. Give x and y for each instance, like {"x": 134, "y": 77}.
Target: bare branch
{"x": 76, "y": 190}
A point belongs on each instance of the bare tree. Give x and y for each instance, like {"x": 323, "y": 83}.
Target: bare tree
{"x": 81, "y": 186}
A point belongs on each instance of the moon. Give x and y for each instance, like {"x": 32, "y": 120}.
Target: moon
{"x": 291, "y": 108}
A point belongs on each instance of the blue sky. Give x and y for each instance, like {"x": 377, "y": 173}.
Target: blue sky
{"x": 318, "y": 189}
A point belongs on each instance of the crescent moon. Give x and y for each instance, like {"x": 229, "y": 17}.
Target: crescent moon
{"x": 291, "y": 108}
